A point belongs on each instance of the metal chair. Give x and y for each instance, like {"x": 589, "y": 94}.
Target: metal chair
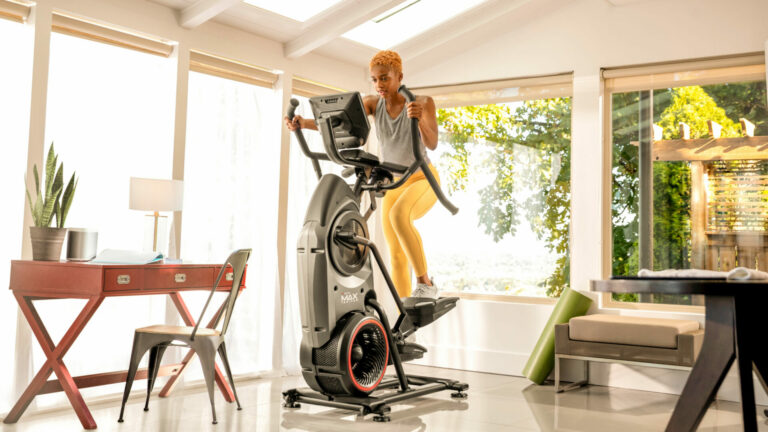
{"x": 204, "y": 341}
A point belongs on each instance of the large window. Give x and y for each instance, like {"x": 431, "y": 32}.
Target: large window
{"x": 688, "y": 179}
{"x": 504, "y": 159}
{"x": 507, "y": 167}
{"x": 230, "y": 201}
{"x": 16, "y": 51}
{"x": 110, "y": 114}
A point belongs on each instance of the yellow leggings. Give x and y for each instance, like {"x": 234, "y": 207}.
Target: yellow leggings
{"x": 400, "y": 208}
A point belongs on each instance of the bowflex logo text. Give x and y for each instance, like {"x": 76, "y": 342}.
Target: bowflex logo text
{"x": 348, "y": 298}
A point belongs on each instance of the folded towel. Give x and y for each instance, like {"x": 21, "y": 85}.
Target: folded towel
{"x": 743, "y": 273}
{"x": 737, "y": 274}
{"x": 683, "y": 273}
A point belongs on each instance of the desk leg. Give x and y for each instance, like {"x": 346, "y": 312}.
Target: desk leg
{"x": 745, "y": 337}
{"x": 761, "y": 369}
{"x": 186, "y": 316}
{"x": 54, "y": 363}
{"x": 716, "y": 356}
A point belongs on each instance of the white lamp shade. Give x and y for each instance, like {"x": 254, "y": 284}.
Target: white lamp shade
{"x": 156, "y": 194}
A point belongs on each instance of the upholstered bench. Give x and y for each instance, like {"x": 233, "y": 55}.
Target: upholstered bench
{"x": 630, "y": 340}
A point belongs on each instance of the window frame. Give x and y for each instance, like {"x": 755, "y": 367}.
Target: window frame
{"x": 620, "y": 80}
{"x": 496, "y": 92}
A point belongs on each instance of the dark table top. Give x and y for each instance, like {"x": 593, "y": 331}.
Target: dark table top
{"x": 679, "y": 286}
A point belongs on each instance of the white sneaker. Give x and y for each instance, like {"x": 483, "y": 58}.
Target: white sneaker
{"x": 424, "y": 290}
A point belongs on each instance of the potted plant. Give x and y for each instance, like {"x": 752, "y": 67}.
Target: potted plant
{"x": 54, "y": 200}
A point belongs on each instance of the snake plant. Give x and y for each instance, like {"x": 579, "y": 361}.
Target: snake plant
{"x": 56, "y": 199}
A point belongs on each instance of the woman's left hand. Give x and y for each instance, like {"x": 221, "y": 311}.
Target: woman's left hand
{"x": 415, "y": 109}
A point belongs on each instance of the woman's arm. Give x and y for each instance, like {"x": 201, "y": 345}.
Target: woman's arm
{"x": 423, "y": 108}
{"x": 369, "y": 102}
{"x": 299, "y": 122}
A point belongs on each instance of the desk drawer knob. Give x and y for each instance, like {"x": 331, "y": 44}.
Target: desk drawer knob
{"x": 230, "y": 277}
{"x": 180, "y": 277}
{"x": 123, "y": 279}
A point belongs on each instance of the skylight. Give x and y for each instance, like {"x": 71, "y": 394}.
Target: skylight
{"x": 299, "y": 10}
{"x": 407, "y": 20}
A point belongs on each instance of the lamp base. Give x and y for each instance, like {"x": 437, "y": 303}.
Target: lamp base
{"x": 155, "y": 233}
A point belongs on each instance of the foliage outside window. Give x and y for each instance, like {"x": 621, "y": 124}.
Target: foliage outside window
{"x": 735, "y": 197}
{"x": 507, "y": 167}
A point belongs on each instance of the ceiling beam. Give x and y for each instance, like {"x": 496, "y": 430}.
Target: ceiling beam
{"x": 334, "y": 22}
{"x": 203, "y": 10}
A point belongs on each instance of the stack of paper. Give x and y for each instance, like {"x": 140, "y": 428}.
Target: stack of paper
{"x": 118, "y": 256}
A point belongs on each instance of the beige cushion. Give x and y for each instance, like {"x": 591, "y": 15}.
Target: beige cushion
{"x": 627, "y": 330}
{"x": 177, "y": 330}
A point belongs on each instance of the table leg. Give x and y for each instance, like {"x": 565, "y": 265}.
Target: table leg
{"x": 54, "y": 354}
{"x": 186, "y": 316}
{"x": 716, "y": 356}
{"x": 761, "y": 369}
{"x": 745, "y": 337}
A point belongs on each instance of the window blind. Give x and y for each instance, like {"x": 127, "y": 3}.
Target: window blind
{"x": 83, "y": 28}
{"x": 499, "y": 91}
{"x": 748, "y": 67}
{"x": 13, "y": 10}
{"x": 308, "y": 88}
{"x": 231, "y": 69}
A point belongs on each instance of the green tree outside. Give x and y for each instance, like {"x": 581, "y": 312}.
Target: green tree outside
{"x": 544, "y": 125}
{"x": 692, "y": 105}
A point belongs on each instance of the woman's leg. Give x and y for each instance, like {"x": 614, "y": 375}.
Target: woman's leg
{"x": 413, "y": 203}
{"x": 398, "y": 261}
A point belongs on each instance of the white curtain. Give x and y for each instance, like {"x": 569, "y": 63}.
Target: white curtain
{"x": 230, "y": 202}
{"x": 110, "y": 114}
{"x": 15, "y": 80}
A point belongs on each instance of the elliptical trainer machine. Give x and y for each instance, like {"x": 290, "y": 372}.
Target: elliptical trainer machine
{"x": 347, "y": 341}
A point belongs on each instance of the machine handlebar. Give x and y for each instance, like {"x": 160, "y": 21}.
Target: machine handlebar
{"x": 416, "y": 143}
{"x": 313, "y": 156}
{"x": 417, "y": 153}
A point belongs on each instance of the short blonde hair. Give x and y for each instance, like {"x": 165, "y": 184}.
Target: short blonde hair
{"x": 388, "y": 58}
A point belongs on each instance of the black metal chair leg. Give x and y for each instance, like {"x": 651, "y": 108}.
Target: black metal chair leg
{"x": 155, "y": 357}
{"x": 223, "y": 354}
{"x": 136, "y": 354}
{"x": 150, "y": 371}
{"x": 207, "y": 355}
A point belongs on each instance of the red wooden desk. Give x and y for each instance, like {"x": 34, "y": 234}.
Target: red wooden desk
{"x": 41, "y": 280}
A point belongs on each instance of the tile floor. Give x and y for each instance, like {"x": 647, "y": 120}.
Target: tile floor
{"x": 495, "y": 403}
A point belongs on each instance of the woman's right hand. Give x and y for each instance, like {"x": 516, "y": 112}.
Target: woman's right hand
{"x": 293, "y": 124}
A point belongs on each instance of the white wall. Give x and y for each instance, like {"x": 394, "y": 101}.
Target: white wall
{"x": 582, "y": 36}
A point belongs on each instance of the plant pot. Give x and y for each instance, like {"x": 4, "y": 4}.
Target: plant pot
{"x": 46, "y": 243}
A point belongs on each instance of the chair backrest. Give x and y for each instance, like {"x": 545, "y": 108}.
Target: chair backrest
{"x": 237, "y": 260}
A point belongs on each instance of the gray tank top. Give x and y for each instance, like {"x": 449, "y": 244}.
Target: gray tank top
{"x": 395, "y": 136}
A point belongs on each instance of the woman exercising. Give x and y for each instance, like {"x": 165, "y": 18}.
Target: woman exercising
{"x": 415, "y": 197}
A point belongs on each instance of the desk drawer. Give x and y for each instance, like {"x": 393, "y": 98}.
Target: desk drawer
{"x": 117, "y": 279}
{"x": 226, "y": 281}
{"x": 169, "y": 278}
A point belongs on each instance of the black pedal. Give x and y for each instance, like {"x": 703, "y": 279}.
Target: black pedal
{"x": 409, "y": 351}
{"x": 423, "y": 311}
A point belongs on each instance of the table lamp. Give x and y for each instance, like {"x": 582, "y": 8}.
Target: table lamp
{"x": 156, "y": 195}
